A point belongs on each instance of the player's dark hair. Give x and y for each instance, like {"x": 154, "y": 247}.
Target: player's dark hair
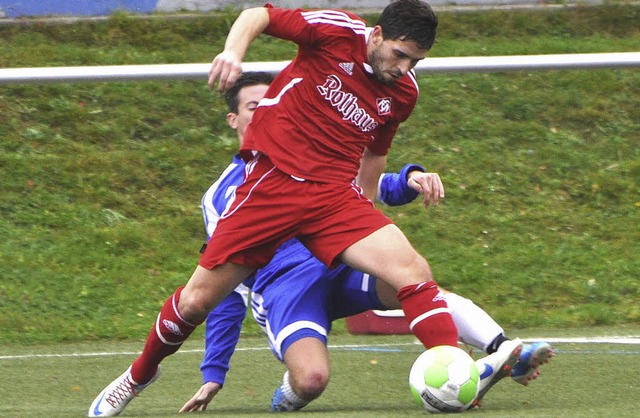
{"x": 245, "y": 80}
{"x": 409, "y": 20}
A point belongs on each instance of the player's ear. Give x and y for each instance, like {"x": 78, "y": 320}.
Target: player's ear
{"x": 232, "y": 120}
{"x": 376, "y": 35}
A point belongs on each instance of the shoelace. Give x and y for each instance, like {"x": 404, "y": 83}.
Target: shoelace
{"x": 121, "y": 392}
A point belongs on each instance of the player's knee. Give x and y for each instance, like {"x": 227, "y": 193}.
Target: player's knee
{"x": 193, "y": 307}
{"x": 311, "y": 383}
{"x": 418, "y": 270}
{"x": 425, "y": 270}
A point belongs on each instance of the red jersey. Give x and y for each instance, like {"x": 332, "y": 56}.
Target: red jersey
{"x": 325, "y": 107}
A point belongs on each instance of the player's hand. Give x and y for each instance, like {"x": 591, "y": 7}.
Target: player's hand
{"x": 226, "y": 67}
{"x": 429, "y": 184}
{"x": 201, "y": 399}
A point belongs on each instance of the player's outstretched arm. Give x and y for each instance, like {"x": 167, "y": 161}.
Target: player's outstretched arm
{"x": 227, "y": 66}
{"x": 202, "y": 398}
{"x": 223, "y": 328}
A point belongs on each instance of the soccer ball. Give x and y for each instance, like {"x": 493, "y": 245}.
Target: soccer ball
{"x": 444, "y": 379}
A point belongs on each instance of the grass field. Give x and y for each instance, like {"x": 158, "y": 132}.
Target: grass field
{"x": 101, "y": 182}
{"x": 369, "y": 380}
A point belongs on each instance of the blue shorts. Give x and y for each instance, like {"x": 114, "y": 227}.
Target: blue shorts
{"x": 296, "y": 296}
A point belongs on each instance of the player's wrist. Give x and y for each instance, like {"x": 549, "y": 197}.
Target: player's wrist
{"x": 213, "y": 375}
{"x": 394, "y": 189}
{"x": 406, "y": 171}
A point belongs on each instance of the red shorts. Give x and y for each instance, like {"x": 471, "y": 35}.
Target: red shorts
{"x": 271, "y": 207}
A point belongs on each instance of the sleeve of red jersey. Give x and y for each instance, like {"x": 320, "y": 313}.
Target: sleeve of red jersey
{"x": 288, "y": 24}
{"x": 310, "y": 27}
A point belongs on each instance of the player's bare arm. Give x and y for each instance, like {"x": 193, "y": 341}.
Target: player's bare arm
{"x": 371, "y": 167}
{"x": 227, "y": 66}
{"x": 429, "y": 184}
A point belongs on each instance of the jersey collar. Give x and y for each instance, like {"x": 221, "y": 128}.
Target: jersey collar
{"x": 367, "y": 34}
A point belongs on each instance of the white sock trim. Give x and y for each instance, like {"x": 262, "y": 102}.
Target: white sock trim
{"x": 289, "y": 394}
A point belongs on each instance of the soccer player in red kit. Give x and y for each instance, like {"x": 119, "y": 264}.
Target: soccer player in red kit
{"x": 328, "y": 118}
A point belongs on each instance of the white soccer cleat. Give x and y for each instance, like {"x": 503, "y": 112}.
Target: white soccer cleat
{"x": 115, "y": 397}
{"x": 497, "y": 366}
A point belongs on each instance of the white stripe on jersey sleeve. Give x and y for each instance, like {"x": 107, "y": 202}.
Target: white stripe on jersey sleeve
{"x": 270, "y": 102}
{"x": 333, "y": 14}
{"x": 332, "y": 17}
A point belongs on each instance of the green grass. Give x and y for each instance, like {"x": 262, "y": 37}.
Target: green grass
{"x": 582, "y": 380}
{"x": 101, "y": 182}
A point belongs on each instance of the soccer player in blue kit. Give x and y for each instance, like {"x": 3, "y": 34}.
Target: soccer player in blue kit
{"x": 297, "y": 323}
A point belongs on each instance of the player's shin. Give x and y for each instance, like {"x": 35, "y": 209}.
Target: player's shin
{"x": 165, "y": 338}
{"x": 426, "y": 310}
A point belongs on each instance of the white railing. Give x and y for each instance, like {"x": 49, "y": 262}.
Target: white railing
{"x": 429, "y": 65}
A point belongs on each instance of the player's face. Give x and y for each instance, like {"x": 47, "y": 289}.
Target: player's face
{"x": 392, "y": 59}
{"x": 248, "y": 99}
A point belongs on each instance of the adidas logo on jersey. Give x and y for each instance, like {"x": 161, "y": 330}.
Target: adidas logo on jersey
{"x": 347, "y": 67}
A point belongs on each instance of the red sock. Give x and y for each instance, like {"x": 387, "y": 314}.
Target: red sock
{"x": 166, "y": 337}
{"x": 429, "y": 318}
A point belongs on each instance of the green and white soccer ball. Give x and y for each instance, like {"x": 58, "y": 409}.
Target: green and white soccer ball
{"x": 444, "y": 379}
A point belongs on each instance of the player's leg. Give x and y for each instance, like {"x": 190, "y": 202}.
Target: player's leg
{"x": 475, "y": 326}
{"x": 478, "y": 328}
{"x": 307, "y": 360}
{"x": 187, "y": 308}
{"x": 248, "y": 234}
{"x": 307, "y": 375}
{"x": 180, "y": 315}
{"x": 343, "y": 292}
{"x": 387, "y": 295}
{"x": 388, "y": 255}
{"x": 366, "y": 240}
{"x": 296, "y": 322}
